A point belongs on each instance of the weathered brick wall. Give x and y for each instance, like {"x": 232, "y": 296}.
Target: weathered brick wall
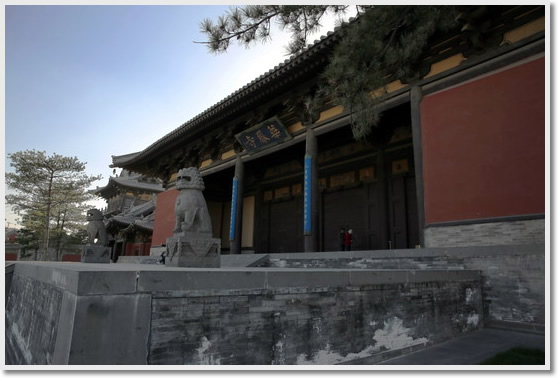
{"x": 309, "y": 326}
{"x": 32, "y": 312}
{"x": 66, "y": 313}
{"x": 513, "y": 288}
{"x": 513, "y": 276}
{"x": 483, "y": 234}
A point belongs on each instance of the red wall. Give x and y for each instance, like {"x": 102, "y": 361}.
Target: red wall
{"x": 483, "y": 146}
{"x": 164, "y": 217}
{"x": 71, "y": 257}
{"x": 131, "y": 249}
{"x": 11, "y": 256}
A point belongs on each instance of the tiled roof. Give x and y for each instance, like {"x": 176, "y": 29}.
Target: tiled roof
{"x": 133, "y": 181}
{"x": 285, "y": 68}
{"x": 140, "y": 215}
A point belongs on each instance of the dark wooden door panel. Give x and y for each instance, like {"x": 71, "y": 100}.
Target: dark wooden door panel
{"x": 412, "y": 213}
{"x": 345, "y": 208}
{"x": 377, "y": 217}
{"x": 398, "y": 213}
{"x": 283, "y": 224}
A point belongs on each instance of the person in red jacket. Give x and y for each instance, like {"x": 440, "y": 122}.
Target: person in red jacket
{"x": 348, "y": 240}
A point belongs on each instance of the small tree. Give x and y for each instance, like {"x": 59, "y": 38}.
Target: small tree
{"x": 49, "y": 191}
{"x": 28, "y": 239}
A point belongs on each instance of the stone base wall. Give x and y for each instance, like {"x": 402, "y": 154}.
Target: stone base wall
{"x": 32, "y": 313}
{"x": 323, "y": 325}
{"x": 513, "y": 277}
{"x": 149, "y": 314}
{"x": 485, "y": 234}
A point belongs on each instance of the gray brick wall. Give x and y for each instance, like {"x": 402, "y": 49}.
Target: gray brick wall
{"x": 483, "y": 234}
{"x": 31, "y": 321}
{"x": 309, "y": 326}
{"x": 513, "y": 277}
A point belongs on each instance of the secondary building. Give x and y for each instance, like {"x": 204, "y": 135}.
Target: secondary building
{"x": 129, "y": 214}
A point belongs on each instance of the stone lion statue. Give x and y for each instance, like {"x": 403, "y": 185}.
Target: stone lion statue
{"x": 190, "y": 207}
{"x": 96, "y": 231}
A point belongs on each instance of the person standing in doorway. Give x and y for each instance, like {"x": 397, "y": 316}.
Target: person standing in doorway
{"x": 342, "y": 239}
{"x": 348, "y": 240}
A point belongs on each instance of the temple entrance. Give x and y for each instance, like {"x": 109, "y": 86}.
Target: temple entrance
{"x": 285, "y": 226}
{"x": 344, "y": 208}
{"x": 368, "y": 187}
{"x": 380, "y": 214}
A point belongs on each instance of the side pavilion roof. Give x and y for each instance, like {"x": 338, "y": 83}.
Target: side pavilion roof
{"x": 128, "y": 181}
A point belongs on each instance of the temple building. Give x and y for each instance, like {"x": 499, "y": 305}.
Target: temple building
{"x": 458, "y": 158}
{"x": 129, "y": 214}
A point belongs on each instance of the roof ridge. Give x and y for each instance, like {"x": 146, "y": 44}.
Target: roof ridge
{"x": 188, "y": 124}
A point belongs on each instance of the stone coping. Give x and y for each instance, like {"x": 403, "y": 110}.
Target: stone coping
{"x": 520, "y": 249}
{"x": 102, "y": 279}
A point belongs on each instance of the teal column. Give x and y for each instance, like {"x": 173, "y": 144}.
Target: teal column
{"x": 235, "y": 231}
{"x": 311, "y": 194}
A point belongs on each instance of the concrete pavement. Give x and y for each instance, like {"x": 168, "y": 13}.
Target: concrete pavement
{"x": 471, "y": 349}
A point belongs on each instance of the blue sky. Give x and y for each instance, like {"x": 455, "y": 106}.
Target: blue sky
{"x": 93, "y": 81}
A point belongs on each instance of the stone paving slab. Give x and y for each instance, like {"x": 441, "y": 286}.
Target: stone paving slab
{"x": 471, "y": 349}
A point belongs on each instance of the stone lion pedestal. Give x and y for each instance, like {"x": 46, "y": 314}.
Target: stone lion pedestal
{"x": 97, "y": 249}
{"x": 95, "y": 254}
{"x": 191, "y": 250}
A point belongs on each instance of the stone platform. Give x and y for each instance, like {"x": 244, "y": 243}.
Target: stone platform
{"x": 131, "y": 314}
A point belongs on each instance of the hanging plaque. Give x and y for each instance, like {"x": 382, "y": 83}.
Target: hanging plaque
{"x": 265, "y": 134}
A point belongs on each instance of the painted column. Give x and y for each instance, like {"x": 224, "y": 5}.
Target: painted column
{"x": 416, "y": 99}
{"x": 235, "y": 232}
{"x": 311, "y": 211}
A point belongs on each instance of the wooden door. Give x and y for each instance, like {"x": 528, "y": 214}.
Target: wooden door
{"x": 403, "y": 215}
{"x": 345, "y": 208}
{"x": 285, "y": 228}
{"x": 377, "y": 216}
{"x": 412, "y": 212}
{"x": 398, "y": 213}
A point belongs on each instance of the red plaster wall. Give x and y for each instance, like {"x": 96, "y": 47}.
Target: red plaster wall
{"x": 483, "y": 146}
{"x": 131, "y": 249}
{"x": 71, "y": 257}
{"x": 11, "y": 256}
{"x": 164, "y": 217}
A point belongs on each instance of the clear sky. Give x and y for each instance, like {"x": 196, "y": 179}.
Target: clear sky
{"x": 93, "y": 81}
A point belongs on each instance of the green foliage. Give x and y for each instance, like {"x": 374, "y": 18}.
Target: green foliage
{"x": 517, "y": 356}
{"x": 28, "y": 239}
{"x": 78, "y": 237}
{"x": 50, "y": 192}
{"x": 383, "y": 44}
{"x": 252, "y": 23}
